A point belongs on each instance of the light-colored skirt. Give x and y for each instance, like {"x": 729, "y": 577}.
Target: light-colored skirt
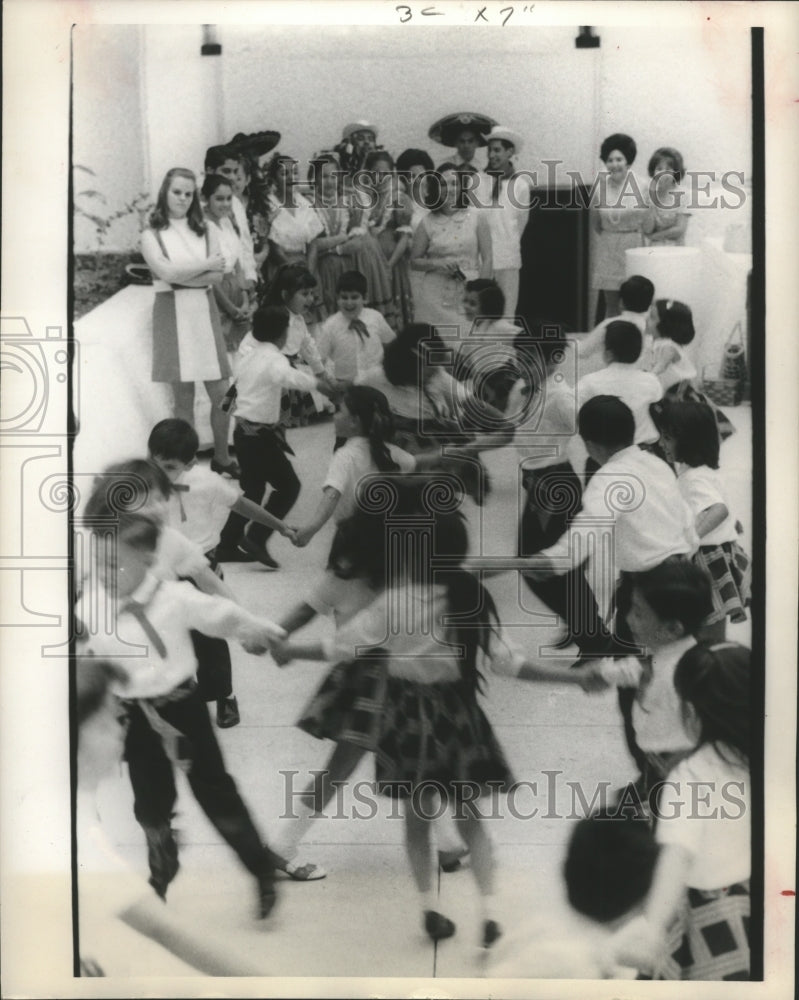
{"x": 188, "y": 344}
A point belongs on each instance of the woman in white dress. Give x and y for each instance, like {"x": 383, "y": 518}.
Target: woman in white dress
{"x": 451, "y": 245}
{"x": 186, "y": 261}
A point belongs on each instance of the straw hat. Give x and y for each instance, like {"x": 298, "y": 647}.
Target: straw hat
{"x": 447, "y": 129}
{"x": 507, "y": 135}
{"x": 353, "y": 127}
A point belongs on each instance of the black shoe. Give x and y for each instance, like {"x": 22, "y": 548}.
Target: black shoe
{"x": 267, "y": 896}
{"x": 227, "y": 713}
{"x": 438, "y": 926}
{"x": 258, "y": 552}
{"x": 206, "y": 453}
{"x": 492, "y": 932}
{"x": 162, "y": 857}
{"x": 450, "y": 861}
{"x": 235, "y": 554}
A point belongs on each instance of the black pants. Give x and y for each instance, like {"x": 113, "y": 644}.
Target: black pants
{"x": 263, "y": 461}
{"x": 214, "y": 667}
{"x": 543, "y": 523}
{"x": 153, "y": 779}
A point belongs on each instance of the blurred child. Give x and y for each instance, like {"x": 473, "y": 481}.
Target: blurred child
{"x": 486, "y": 352}
{"x": 351, "y": 341}
{"x": 107, "y": 890}
{"x": 690, "y": 438}
{"x": 154, "y": 619}
{"x": 608, "y": 871}
{"x": 363, "y": 421}
{"x": 696, "y": 918}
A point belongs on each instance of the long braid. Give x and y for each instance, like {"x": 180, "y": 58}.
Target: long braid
{"x": 370, "y": 406}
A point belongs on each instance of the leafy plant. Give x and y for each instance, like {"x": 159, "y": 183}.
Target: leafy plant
{"x": 84, "y": 202}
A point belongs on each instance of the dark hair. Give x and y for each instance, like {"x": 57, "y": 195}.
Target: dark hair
{"x": 436, "y": 187}
{"x": 352, "y": 281}
{"x": 125, "y": 488}
{"x": 695, "y": 431}
{"x": 371, "y": 408}
{"x": 677, "y": 590}
{"x": 269, "y": 323}
{"x": 413, "y": 158}
{"x": 674, "y": 159}
{"x": 289, "y": 280}
{"x": 637, "y": 293}
{"x": 610, "y": 862}
{"x": 173, "y": 438}
{"x": 400, "y": 363}
{"x": 716, "y": 681}
{"x": 623, "y": 341}
{"x": 315, "y": 169}
{"x": 675, "y": 321}
{"x": 138, "y": 531}
{"x": 217, "y": 156}
{"x": 93, "y": 679}
{"x": 361, "y": 540}
{"x": 490, "y": 296}
{"x": 159, "y": 217}
{"x": 214, "y": 181}
{"x": 374, "y": 156}
{"x": 607, "y": 421}
{"x": 623, "y": 143}
{"x": 273, "y": 167}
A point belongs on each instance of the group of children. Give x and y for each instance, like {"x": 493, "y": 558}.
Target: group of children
{"x": 630, "y": 452}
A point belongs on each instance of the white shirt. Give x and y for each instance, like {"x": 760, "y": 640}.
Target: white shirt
{"x": 595, "y": 340}
{"x": 657, "y": 710}
{"x": 679, "y": 369}
{"x": 186, "y": 257}
{"x": 262, "y": 373}
{"x": 635, "y": 388}
{"x": 177, "y": 557}
{"x": 293, "y": 230}
{"x": 173, "y": 610}
{"x": 506, "y": 218}
{"x": 245, "y": 237}
{"x": 636, "y": 494}
{"x": 299, "y": 342}
{"x": 349, "y": 464}
{"x": 200, "y": 512}
{"x": 546, "y": 421}
{"x": 340, "y": 599}
{"x": 701, "y": 487}
{"x": 705, "y": 808}
{"x": 349, "y": 355}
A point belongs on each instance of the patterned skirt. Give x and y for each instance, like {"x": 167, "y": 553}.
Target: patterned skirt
{"x": 233, "y": 330}
{"x": 379, "y": 291}
{"x": 348, "y": 705}
{"x": 297, "y": 408}
{"x": 436, "y": 733}
{"x": 329, "y": 268}
{"x": 710, "y": 939}
{"x": 731, "y": 572}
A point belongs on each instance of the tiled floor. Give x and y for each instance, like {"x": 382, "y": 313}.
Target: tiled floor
{"x": 363, "y": 920}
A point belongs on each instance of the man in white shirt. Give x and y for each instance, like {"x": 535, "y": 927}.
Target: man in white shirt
{"x": 464, "y": 131}
{"x": 506, "y": 196}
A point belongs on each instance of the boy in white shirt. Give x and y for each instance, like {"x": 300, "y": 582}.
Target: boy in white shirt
{"x": 637, "y": 294}
{"x": 623, "y": 343}
{"x": 151, "y": 641}
{"x": 351, "y": 341}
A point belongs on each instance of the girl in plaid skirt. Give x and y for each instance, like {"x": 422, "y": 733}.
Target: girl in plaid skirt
{"x": 690, "y": 438}
{"x": 696, "y": 918}
{"x": 429, "y": 630}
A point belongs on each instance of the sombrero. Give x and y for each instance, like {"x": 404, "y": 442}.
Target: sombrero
{"x": 255, "y": 144}
{"x": 446, "y": 129}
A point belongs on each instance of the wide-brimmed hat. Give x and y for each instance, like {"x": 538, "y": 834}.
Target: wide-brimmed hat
{"x": 255, "y": 143}
{"x": 349, "y": 130}
{"x": 507, "y": 135}
{"x": 447, "y": 129}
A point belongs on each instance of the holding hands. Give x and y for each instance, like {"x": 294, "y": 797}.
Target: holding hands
{"x": 281, "y": 651}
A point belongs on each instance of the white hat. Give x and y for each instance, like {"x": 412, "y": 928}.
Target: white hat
{"x": 353, "y": 127}
{"x": 507, "y": 135}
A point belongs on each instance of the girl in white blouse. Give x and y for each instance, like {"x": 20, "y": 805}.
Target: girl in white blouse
{"x": 432, "y": 738}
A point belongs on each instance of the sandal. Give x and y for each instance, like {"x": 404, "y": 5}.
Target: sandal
{"x": 306, "y": 872}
